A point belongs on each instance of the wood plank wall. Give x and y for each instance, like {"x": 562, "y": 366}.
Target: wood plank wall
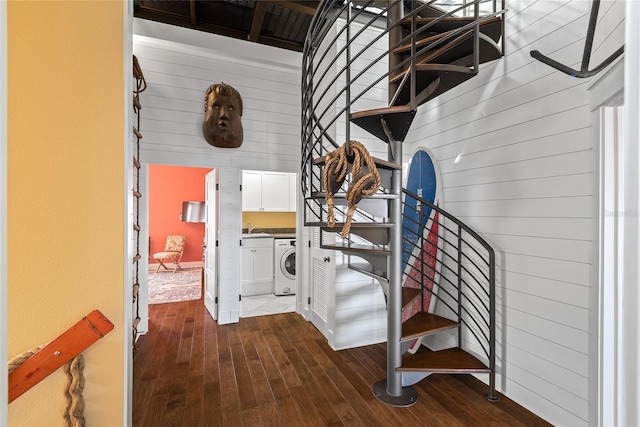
{"x": 518, "y": 154}
{"x": 178, "y": 76}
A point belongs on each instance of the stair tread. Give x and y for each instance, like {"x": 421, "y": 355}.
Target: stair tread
{"x": 451, "y": 360}
{"x": 397, "y": 117}
{"x": 448, "y": 21}
{"x": 380, "y": 163}
{"x": 427, "y": 19}
{"x": 367, "y": 249}
{"x": 421, "y": 42}
{"x": 382, "y": 110}
{"x": 425, "y": 323}
{"x": 354, "y": 224}
{"x": 454, "y": 49}
{"x": 491, "y": 27}
{"x": 343, "y": 195}
{"x": 435, "y": 79}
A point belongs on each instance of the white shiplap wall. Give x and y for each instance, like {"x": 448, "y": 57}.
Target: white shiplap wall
{"x": 180, "y": 64}
{"x": 517, "y": 149}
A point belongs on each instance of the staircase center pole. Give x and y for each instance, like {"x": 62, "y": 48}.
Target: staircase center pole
{"x": 394, "y": 309}
{"x": 390, "y": 391}
{"x": 394, "y": 315}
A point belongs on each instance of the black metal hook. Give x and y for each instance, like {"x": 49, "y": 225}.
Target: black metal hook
{"x": 586, "y": 56}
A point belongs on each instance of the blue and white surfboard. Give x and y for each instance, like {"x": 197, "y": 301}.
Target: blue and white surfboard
{"x": 423, "y": 179}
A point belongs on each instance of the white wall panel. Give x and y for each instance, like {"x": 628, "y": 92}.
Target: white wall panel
{"x": 516, "y": 146}
{"x": 178, "y": 75}
{"x": 564, "y": 292}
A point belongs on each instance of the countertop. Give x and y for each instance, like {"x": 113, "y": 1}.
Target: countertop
{"x": 276, "y": 233}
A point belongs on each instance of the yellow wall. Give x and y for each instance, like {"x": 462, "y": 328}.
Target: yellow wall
{"x": 269, "y": 219}
{"x": 65, "y": 194}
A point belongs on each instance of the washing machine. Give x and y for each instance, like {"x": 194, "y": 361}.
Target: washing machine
{"x": 285, "y": 266}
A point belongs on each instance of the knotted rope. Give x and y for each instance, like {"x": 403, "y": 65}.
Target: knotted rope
{"x": 22, "y": 357}
{"x": 364, "y": 182}
{"x": 74, "y": 408}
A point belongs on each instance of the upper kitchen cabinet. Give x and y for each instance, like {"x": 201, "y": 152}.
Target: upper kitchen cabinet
{"x": 266, "y": 191}
{"x": 251, "y": 191}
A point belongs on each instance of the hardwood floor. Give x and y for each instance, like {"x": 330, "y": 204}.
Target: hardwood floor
{"x": 278, "y": 370}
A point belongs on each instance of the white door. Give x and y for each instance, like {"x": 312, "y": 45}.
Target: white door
{"x": 210, "y": 238}
{"x": 323, "y": 274}
{"x": 229, "y": 250}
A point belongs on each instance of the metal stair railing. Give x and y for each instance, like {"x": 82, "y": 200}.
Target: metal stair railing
{"x": 467, "y": 275}
{"x": 346, "y": 69}
{"x": 322, "y": 104}
{"x": 335, "y": 80}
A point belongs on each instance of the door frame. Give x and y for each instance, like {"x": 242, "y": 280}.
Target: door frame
{"x": 605, "y": 91}
{"x": 210, "y": 244}
{"x": 614, "y": 343}
{"x": 3, "y": 210}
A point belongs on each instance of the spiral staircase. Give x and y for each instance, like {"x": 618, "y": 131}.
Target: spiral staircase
{"x": 372, "y": 64}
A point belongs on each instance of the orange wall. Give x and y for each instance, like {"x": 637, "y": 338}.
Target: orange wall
{"x": 66, "y": 196}
{"x": 169, "y": 186}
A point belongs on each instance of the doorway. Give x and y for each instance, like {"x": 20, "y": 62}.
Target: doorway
{"x": 168, "y": 186}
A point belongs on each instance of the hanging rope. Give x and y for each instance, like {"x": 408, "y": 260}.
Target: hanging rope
{"x": 141, "y": 85}
{"x": 21, "y": 358}
{"x": 335, "y": 170}
{"x": 364, "y": 183}
{"x": 74, "y": 408}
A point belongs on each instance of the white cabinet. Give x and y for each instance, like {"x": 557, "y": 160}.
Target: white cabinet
{"x": 251, "y": 190}
{"x": 257, "y": 266}
{"x": 268, "y": 191}
{"x": 275, "y": 191}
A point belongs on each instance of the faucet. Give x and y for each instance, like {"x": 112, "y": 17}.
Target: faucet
{"x": 252, "y": 227}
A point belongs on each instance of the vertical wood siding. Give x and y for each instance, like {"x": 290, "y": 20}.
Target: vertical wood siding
{"x": 516, "y": 146}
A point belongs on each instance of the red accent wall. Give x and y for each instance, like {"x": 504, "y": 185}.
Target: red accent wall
{"x": 169, "y": 186}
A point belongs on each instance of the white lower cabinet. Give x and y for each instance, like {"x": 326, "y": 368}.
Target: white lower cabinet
{"x": 257, "y": 266}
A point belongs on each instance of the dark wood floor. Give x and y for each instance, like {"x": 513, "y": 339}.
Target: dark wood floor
{"x": 279, "y": 371}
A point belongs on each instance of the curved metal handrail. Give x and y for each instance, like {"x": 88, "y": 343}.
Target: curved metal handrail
{"x": 469, "y": 294}
{"x": 336, "y": 78}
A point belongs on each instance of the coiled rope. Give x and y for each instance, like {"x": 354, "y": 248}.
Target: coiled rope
{"x": 74, "y": 408}
{"x": 364, "y": 183}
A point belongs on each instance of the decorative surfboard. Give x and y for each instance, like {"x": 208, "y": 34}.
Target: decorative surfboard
{"x": 421, "y": 223}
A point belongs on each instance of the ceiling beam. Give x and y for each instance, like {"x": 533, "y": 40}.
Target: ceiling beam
{"x": 257, "y": 20}
{"x": 192, "y": 6}
{"x": 184, "y": 21}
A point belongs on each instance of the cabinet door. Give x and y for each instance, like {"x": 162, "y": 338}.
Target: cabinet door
{"x": 251, "y": 191}
{"x": 275, "y": 191}
{"x": 247, "y": 267}
{"x": 293, "y": 192}
{"x": 263, "y": 264}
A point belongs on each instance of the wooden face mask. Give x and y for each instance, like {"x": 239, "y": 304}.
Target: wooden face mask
{"x": 222, "y": 125}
